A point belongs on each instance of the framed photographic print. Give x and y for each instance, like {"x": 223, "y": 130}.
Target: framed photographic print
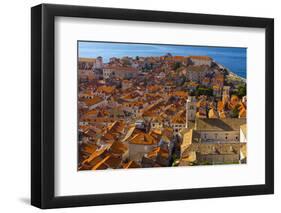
{"x": 139, "y": 106}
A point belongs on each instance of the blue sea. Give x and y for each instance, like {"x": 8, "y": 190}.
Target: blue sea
{"x": 233, "y": 58}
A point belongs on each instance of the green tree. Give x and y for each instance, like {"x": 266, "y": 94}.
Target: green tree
{"x": 203, "y": 91}
{"x": 242, "y": 90}
{"x": 181, "y": 80}
{"x": 235, "y": 112}
{"x": 176, "y": 65}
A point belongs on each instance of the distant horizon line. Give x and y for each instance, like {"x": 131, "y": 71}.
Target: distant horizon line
{"x": 149, "y": 56}
{"x": 140, "y": 43}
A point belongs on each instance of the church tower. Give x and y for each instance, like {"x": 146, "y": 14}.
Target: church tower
{"x": 190, "y": 109}
{"x": 99, "y": 63}
{"x": 225, "y": 94}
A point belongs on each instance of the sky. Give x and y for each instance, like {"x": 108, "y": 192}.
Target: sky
{"x": 234, "y": 58}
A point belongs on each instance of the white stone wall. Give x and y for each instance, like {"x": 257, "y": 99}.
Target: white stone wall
{"x": 220, "y": 136}
{"x": 218, "y": 159}
{"x": 190, "y": 111}
{"x": 199, "y": 62}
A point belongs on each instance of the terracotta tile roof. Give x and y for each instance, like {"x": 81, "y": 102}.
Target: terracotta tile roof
{"x": 84, "y": 128}
{"x": 152, "y": 106}
{"x": 86, "y": 93}
{"x": 108, "y": 136}
{"x": 88, "y": 148}
{"x": 180, "y": 117}
{"x": 170, "y": 108}
{"x": 219, "y": 77}
{"x": 101, "y": 120}
{"x": 121, "y": 68}
{"x": 92, "y": 112}
{"x": 179, "y": 58}
{"x": 106, "y": 89}
{"x": 143, "y": 139}
{"x": 181, "y": 94}
{"x": 157, "y": 119}
{"x": 118, "y": 147}
{"x": 156, "y": 131}
{"x": 87, "y": 60}
{"x": 131, "y": 164}
{"x": 113, "y": 162}
{"x": 93, "y": 101}
{"x": 129, "y": 133}
{"x": 196, "y": 68}
{"x": 220, "y": 106}
{"x": 206, "y": 80}
{"x": 116, "y": 126}
{"x": 95, "y": 154}
{"x": 242, "y": 111}
{"x": 100, "y": 164}
{"x": 154, "y": 88}
{"x": 127, "y": 96}
{"x": 158, "y": 151}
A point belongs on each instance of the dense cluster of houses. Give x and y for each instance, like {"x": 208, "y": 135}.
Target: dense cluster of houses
{"x": 159, "y": 111}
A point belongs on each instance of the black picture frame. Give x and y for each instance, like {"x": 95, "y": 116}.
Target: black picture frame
{"x": 43, "y": 102}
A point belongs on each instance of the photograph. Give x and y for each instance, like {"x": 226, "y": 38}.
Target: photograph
{"x": 142, "y": 105}
{"x": 133, "y": 105}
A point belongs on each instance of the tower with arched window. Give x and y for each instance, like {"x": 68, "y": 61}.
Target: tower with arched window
{"x": 190, "y": 109}
{"x": 225, "y": 94}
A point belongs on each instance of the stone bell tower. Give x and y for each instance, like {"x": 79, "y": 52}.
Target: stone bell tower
{"x": 225, "y": 94}
{"x": 190, "y": 109}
